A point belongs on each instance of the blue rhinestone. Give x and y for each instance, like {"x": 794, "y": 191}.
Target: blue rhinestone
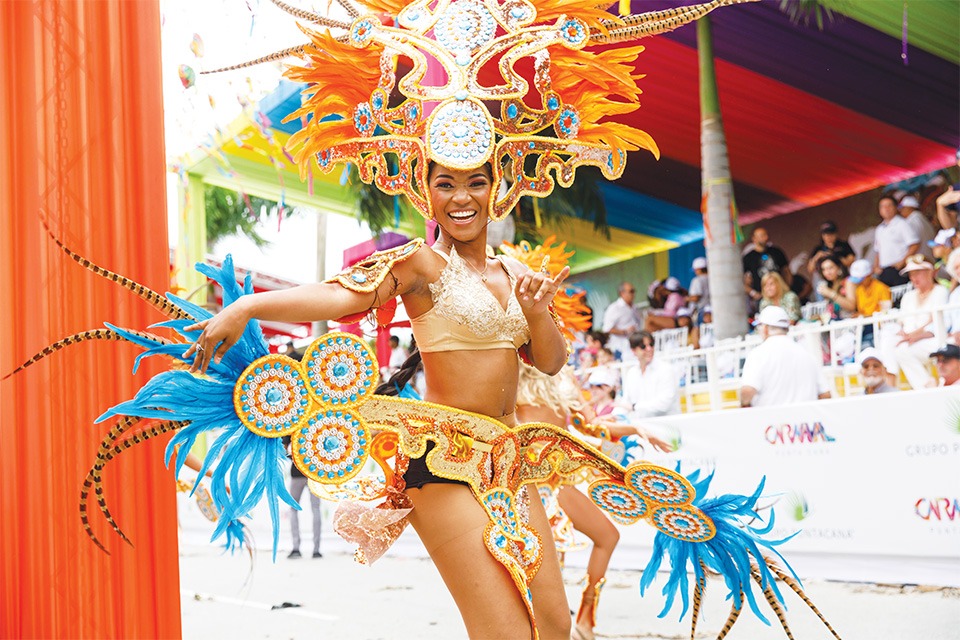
{"x": 249, "y": 376}
{"x": 340, "y": 472}
{"x": 245, "y": 408}
{"x": 511, "y": 111}
{"x": 286, "y": 367}
{"x": 313, "y": 467}
{"x": 359, "y": 452}
{"x": 243, "y": 397}
{"x": 274, "y": 396}
{"x": 330, "y": 443}
{"x": 552, "y": 103}
{"x": 245, "y": 387}
{"x": 340, "y": 369}
{"x": 258, "y": 370}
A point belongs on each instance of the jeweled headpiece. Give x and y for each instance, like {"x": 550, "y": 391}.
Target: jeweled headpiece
{"x": 464, "y": 102}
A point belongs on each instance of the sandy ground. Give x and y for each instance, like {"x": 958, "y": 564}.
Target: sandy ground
{"x": 402, "y": 596}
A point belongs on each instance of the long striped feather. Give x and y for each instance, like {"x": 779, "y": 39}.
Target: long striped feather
{"x": 84, "y": 336}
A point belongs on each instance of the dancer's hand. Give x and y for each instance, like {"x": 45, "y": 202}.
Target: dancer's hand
{"x": 655, "y": 442}
{"x": 535, "y": 290}
{"x": 219, "y": 333}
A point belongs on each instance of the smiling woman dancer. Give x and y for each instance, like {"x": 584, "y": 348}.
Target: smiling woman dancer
{"x": 457, "y": 458}
{"x": 502, "y": 306}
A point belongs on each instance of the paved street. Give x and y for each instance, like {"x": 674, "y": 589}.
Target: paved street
{"x": 402, "y": 596}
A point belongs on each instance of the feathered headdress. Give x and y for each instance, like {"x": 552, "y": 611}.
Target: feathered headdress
{"x": 464, "y": 103}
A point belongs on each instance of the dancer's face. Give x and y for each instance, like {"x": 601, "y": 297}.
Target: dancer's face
{"x": 460, "y": 200}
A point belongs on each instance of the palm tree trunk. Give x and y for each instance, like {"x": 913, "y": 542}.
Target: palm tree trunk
{"x": 725, "y": 268}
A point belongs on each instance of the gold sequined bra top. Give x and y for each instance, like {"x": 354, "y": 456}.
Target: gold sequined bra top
{"x": 466, "y": 316}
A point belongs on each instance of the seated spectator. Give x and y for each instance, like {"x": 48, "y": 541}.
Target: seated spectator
{"x": 670, "y": 298}
{"x": 651, "y": 387}
{"x": 952, "y": 316}
{"x": 830, "y": 245}
{"x": 777, "y": 294}
{"x": 602, "y": 388}
{"x": 595, "y": 340}
{"x": 870, "y": 294}
{"x": 909, "y": 348}
{"x": 699, "y": 294}
{"x": 942, "y": 244}
{"x": 894, "y": 240}
{"x": 685, "y": 319}
{"x": 705, "y": 338}
{"x": 834, "y": 288}
{"x": 607, "y": 361}
{"x": 910, "y": 211}
{"x": 947, "y": 359}
{"x": 779, "y": 371}
{"x": 873, "y": 374}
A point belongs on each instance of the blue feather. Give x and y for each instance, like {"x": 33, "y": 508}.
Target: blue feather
{"x": 729, "y": 552}
{"x": 250, "y": 465}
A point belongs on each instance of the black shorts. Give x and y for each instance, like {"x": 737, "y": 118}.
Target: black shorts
{"x": 418, "y": 474}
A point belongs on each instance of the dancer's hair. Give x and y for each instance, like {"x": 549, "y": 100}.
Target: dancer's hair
{"x": 399, "y": 380}
{"x": 559, "y": 392}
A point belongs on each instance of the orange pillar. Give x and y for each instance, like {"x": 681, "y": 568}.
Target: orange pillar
{"x": 81, "y": 146}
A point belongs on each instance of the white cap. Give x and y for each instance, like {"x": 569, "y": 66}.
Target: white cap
{"x": 671, "y": 284}
{"x": 652, "y": 289}
{"x": 943, "y": 237}
{"x": 860, "y": 269}
{"x": 684, "y": 311}
{"x": 700, "y": 263}
{"x": 773, "y": 316}
{"x": 909, "y": 201}
{"x": 602, "y": 375}
{"x": 869, "y": 354}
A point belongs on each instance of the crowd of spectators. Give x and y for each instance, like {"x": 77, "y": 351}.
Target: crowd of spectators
{"x": 619, "y": 365}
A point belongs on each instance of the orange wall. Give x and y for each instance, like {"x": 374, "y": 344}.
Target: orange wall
{"x": 81, "y": 145}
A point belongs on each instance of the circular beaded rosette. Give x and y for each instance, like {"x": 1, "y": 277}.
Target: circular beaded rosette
{"x": 312, "y": 401}
{"x": 340, "y": 370}
{"x": 271, "y": 397}
{"x": 659, "y": 485}
{"x": 332, "y": 447}
{"x": 621, "y": 502}
{"x": 460, "y": 134}
{"x": 685, "y": 523}
{"x": 464, "y": 26}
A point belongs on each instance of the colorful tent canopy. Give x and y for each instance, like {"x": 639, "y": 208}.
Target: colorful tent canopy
{"x": 811, "y": 116}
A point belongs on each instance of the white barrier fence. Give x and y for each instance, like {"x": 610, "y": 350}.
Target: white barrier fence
{"x": 872, "y": 484}
{"x": 710, "y": 377}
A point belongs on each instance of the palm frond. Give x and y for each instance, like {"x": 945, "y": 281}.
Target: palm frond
{"x": 230, "y": 212}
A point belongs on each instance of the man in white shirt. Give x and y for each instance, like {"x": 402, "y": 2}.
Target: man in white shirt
{"x": 910, "y": 211}
{"x": 699, "y": 293}
{"x": 620, "y": 320}
{"x": 398, "y": 355}
{"x": 651, "y": 387}
{"x": 894, "y": 240}
{"x": 779, "y": 371}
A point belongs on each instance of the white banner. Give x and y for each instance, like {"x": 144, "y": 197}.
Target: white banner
{"x": 867, "y": 478}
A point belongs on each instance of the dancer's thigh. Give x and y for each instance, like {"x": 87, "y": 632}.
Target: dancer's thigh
{"x": 450, "y": 523}
{"x": 549, "y": 598}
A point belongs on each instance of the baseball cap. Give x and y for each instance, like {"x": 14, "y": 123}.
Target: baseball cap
{"x": 947, "y": 351}
{"x": 600, "y": 376}
{"x": 684, "y": 311}
{"x": 942, "y": 238}
{"x": 869, "y": 353}
{"x": 916, "y": 262}
{"x": 828, "y": 227}
{"x": 909, "y": 201}
{"x": 700, "y": 263}
{"x": 773, "y": 316}
{"x": 859, "y": 270}
{"x": 672, "y": 284}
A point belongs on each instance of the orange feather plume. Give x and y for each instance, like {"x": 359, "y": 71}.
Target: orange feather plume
{"x": 569, "y": 305}
{"x": 590, "y": 11}
{"x": 339, "y": 77}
